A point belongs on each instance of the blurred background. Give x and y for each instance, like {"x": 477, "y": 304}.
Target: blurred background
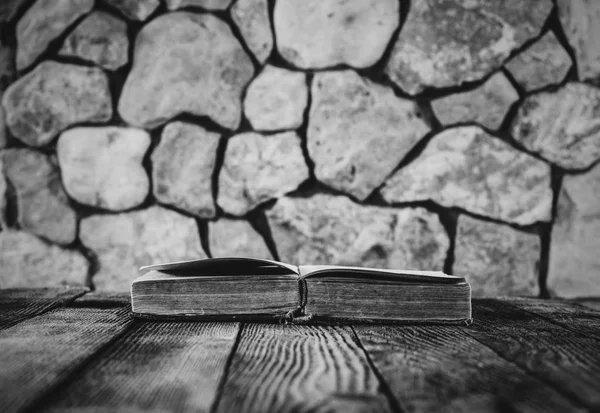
{"x": 458, "y": 135}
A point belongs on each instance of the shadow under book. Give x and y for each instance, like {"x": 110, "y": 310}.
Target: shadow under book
{"x": 250, "y": 289}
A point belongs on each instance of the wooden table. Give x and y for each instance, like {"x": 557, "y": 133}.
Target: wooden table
{"x": 62, "y": 349}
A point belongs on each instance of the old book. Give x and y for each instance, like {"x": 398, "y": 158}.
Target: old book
{"x": 253, "y": 289}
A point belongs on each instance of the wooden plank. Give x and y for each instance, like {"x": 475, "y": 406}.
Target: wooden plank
{"x": 441, "y": 368}
{"x": 282, "y": 368}
{"x": 155, "y": 366}
{"x": 566, "y": 313}
{"x": 566, "y": 359}
{"x": 39, "y": 353}
{"x": 18, "y": 304}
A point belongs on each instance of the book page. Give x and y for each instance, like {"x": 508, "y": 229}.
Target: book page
{"x": 222, "y": 266}
{"x": 365, "y": 272}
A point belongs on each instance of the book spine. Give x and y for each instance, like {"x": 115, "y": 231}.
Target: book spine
{"x": 302, "y": 294}
{"x": 298, "y": 314}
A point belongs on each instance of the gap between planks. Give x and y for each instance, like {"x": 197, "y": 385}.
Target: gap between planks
{"x": 385, "y": 386}
{"x": 441, "y": 368}
{"x": 226, "y": 369}
{"x": 79, "y": 303}
{"x": 567, "y": 314}
{"x": 564, "y": 358}
{"x": 291, "y": 368}
{"x": 154, "y": 366}
{"x": 20, "y": 304}
{"x": 38, "y": 354}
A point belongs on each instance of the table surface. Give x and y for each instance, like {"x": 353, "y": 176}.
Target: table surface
{"x": 63, "y": 349}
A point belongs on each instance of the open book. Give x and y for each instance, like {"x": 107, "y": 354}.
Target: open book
{"x": 253, "y": 289}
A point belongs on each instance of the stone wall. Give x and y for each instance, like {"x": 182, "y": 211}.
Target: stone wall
{"x": 423, "y": 134}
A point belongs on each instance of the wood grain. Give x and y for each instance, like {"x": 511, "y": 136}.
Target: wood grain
{"x": 18, "y": 304}
{"x": 440, "y": 368}
{"x": 161, "y": 367}
{"x": 281, "y": 368}
{"x": 103, "y": 300}
{"x": 568, "y": 314}
{"x": 566, "y": 359}
{"x": 39, "y": 353}
{"x": 519, "y": 355}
